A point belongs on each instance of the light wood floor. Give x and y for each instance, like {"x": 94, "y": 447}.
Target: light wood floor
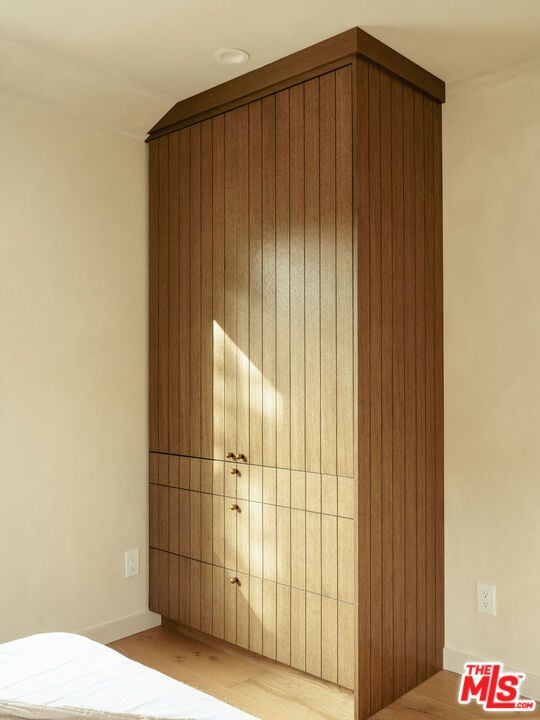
{"x": 273, "y": 692}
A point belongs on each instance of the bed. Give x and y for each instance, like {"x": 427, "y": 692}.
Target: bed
{"x": 61, "y": 675}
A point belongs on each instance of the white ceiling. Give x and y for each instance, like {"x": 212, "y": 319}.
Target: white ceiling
{"x": 123, "y": 63}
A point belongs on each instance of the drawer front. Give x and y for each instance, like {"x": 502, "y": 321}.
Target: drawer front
{"x": 328, "y": 494}
{"x": 302, "y": 629}
{"x": 306, "y": 550}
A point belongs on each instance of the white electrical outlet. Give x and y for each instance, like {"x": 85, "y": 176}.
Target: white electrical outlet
{"x": 131, "y": 560}
{"x": 485, "y": 598}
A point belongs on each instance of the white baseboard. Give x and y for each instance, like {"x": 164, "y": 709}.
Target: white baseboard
{"x": 122, "y": 627}
{"x": 454, "y": 660}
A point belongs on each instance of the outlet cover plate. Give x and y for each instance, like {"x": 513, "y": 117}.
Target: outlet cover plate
{"x": 131, "y": 562}
{"x": 485, "y": 598}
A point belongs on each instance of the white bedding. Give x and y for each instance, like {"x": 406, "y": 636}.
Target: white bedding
{"x": 61, "y": 670}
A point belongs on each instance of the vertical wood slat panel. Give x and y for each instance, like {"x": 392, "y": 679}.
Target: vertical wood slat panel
{"x": 269, "y": 542}
{"x": 218, "y": 602}
{"x": 398, "y": 390}
{"x": 242, "y": 283}
{"x": 255, "y": 285}
{"x": 410, "y": 387}
{"x": 195, "y": 597}
{"x": 362, "y": 93}
{"x": 376, "y": 634}
{"x": 172, "y": 501}
{"x": 218, "y": 287}
{"x": 313, "y": 552}
{"x": 283, "y": 545}
{"x": 256, "y": 606}
{"x": 329, "y": 640}
{"x": 283, "y": 628}
{"x": 421, "y": 659}
{"x": 243, "y": 611}
{"x": 230, "y": 601}
{"x": 230, "y": 534}
{"x": 153, "y": 296}
{"x": 344, "y": 273}
{"x": 297, "y": 261}
{"x": 269, "y": 279}
{"x": 330, "y": 558}
{"x": 439, "y": 383}
{"x": 430, "y": 391}
{"x": 346, "y": 649}
{"x": 313, "y": 634}
{"x": 183, "y": 589}
{"x": 229, "y": 276}
{"x": 312, "y": 278}
{"x": 174, "y": 220}
{"x": 242, "y": 538}
{"x": 206, "y": 598}
{"x": 172, "y": 587}
{"x": 298, "y": 629}
{"x": 207, "y": 319}
{"x": 163, "y": 583}
{"x": 298, "y": 549}
{"x": 386, "y": 389}
{"x": 283, "y": 306}
{"x": 194, "y": 389}
{"x": 153, "y": 601}
{"x": 327, "y": 269}
{"x": 269, "y": 619}
{"x": 182, "y": 406}
{"x": 163, "y": 297}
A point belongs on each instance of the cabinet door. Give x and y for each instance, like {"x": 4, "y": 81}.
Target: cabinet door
{"x": 252, "y": 283}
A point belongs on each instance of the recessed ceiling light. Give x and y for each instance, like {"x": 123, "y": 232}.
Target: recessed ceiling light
{"x": 231, "y": 56}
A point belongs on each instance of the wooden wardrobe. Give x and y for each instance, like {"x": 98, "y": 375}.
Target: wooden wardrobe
{"x": 296, "y": 379}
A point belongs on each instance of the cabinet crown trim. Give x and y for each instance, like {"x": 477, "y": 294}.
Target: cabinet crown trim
{"x": 325, "y": 55}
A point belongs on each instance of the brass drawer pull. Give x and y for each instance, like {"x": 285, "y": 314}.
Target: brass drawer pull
{"x": 235, "y": 507}
{"x": 234, "y": 581}
{"x": 235, "y": 471}
{"x": 229, "y": 455}
{"x": 240, "y": 456}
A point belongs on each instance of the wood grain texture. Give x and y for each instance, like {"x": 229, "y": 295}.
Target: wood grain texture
{"x": 439, "y": 382}
{"x": 400, "y": 420}
{"x": 153, "y": 297}
{"x": 183, "y": 408}
{"x": 193, "y": 398}
{"x": 268, "y": 690}
{"x": 173, "y": 285}
{"x": 255, "y": 286}
{"x": 268, "y": 367}
{"x": 297, "y": 261}
{"x": 328, "y": 272}
{"x": 241, "y": 340}
{"x": 207, "y": 318}
{"x": 333, "y": 52}
{"x": 282, "y": 270}
{"x": 218, "y": 288}
{"x": 163, "y": 297}
{"x": 261, "y": 687}
{"x": 312, "y": 270}
{"x": 256, "y": 217}
{"x": 344, "y": 282}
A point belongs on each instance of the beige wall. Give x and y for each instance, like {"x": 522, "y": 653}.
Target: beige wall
{"x": 492, "y": 364}
{"x": 73, "y": 334}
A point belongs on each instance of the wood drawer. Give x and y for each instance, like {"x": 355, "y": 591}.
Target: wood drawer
{"x": 298, "y": 628}
{"x": 306, "y": 550}
{"x": 329, "y": 494}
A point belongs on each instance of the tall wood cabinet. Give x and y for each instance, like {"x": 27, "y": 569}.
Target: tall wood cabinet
{"x": 296, "y": 366}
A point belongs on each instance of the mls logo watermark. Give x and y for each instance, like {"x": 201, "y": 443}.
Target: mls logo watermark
{"x": 491, "y": 687}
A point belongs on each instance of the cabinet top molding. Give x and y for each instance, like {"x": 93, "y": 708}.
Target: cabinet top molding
{"x": 300, "y": 66}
